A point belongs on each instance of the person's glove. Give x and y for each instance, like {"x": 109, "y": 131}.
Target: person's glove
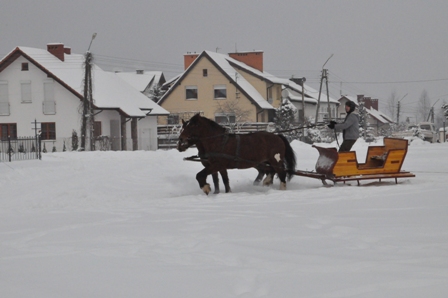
{"x": 332, "y": 124}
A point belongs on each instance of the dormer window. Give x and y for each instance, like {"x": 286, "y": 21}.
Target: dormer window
{"x": 25, "y": 66}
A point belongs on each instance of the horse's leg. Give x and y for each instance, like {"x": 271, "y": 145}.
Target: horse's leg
{"x": 216, "y": 182}
{"x": 259, "y": 177}
{"x": 279, "y": 168}
{"x": 201, "y": 177}
{"x": 269, "y": 179}
{"x": 225, "y": 179}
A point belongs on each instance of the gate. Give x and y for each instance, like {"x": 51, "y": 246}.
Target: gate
{"x": 22, "y": 148}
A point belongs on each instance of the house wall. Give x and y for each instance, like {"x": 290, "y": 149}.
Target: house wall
{"x": 177, "y": 103}
{"x": 267, "y": 90}
{"x": 147, "y": 133}
{"x": 22, "y": 114}
{"x": 310, "y": 110}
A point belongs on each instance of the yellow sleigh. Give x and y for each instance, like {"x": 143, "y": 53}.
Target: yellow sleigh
{"x": 382, "y": 162}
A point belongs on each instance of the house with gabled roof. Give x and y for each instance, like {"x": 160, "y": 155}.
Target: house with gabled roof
{"x": 221, "y": 88}
{"x": 376, "y": 119}
{"x": 46, "y": 86}
{"x": 228, "y": 88}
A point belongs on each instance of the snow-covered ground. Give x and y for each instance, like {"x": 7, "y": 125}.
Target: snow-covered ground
{"x": 136, "y": 224}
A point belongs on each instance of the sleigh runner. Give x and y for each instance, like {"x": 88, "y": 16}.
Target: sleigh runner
{"x": 382, "y": 162}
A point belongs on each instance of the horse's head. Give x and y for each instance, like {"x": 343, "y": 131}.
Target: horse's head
{"x": 189, "y": 134}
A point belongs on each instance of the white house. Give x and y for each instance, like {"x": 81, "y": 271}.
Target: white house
{"x": 47, "y": 86}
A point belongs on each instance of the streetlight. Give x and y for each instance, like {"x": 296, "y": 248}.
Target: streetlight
{"x": 93, "y": 37}
{"x": 324, "y": 76}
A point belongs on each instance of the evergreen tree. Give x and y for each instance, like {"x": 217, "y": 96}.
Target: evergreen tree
{"x": 156, "y": 93}
{"x": 445, "y": 110}
{"x": 364, "y": 127}
{"x": 284, "y": 121}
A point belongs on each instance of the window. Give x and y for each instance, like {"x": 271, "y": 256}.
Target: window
{"x": 4, "y": 99}
{"x": 97, "y": 131}
{"x": 48, "y": 130}
{"x": 25, "y": 88}
{"x": 204, "y": 72}
{"x": 191, "y": 92}
{"x": 25, "y": 66}
{"x": 8, "y": 129}
{"x": 224, "y": 118}
{"x": 49, "y": 105}
{"x": 220, "y": 92}
{"x": 173, "y": 119}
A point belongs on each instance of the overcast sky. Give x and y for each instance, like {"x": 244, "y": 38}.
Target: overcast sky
{"x": 379, "y": 46}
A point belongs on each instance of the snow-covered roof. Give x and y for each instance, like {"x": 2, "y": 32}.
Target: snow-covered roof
{"x": 141, "y": 81}
{"x": 379, "y": 116}
{"x": 223, "y": 62}
{"x": 287, "y": 83}
{"x": 351, "y": 98}
{"x": 295, "y": 96}
{"x": 109, "y": 91}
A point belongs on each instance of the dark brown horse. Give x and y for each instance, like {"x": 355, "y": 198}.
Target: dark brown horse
{"x": 220, "y": 151}
{"x": 262, "y": 170}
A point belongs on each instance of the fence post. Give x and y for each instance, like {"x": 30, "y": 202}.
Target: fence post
{"x": 39, "y": 147}
{"x": 9, "y": 148}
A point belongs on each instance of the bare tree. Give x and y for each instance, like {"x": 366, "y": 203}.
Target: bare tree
{"x": 234, "y": 114}
{"x": 392, "y": 104}
{"x": 424, "y": 106}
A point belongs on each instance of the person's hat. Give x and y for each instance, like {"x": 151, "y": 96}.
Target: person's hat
{"x": 350, "y": 104}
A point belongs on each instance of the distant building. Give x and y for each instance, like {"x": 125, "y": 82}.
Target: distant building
{"x": 234, "y": 88}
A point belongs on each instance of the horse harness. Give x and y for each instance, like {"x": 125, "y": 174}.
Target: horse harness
{"x": 236, "y": 158}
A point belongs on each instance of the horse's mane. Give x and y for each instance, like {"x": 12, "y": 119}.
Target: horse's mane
{"x": 212, "y": 123}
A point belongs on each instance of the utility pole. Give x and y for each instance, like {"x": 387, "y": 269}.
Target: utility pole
{"x": 431, "y": 112}
{"x": 398, "y": 109}
{"x": 87, "y": 109}
{"x": 303, "y": 101}
{"x": 324, "y": 76}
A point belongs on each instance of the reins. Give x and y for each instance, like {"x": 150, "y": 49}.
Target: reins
{"x": 300, "y": 127}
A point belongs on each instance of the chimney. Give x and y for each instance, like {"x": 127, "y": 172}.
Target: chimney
{"x": 188, "y": 59}
{"x": 360, "y": 97}
{"x": 253, "y": 59}
{"x": 57, "y": 49}
{"x": 68, "y": 50}
{"x": 298, "y": 81}
{"x": 371, "y": 103}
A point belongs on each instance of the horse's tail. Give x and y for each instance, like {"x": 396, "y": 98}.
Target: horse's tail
{"x": 290, "y": 158}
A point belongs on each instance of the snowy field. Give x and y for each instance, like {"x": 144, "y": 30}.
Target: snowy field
{"x": 136, "y": 224}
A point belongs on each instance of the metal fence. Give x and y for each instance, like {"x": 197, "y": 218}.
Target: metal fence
{"x": 22, "y": 148}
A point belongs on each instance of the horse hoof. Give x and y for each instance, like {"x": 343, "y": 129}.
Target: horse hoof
{"x": 206, "y": 189}
{"x": 216, "y": 192}
{"x": 282, "y": 186}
